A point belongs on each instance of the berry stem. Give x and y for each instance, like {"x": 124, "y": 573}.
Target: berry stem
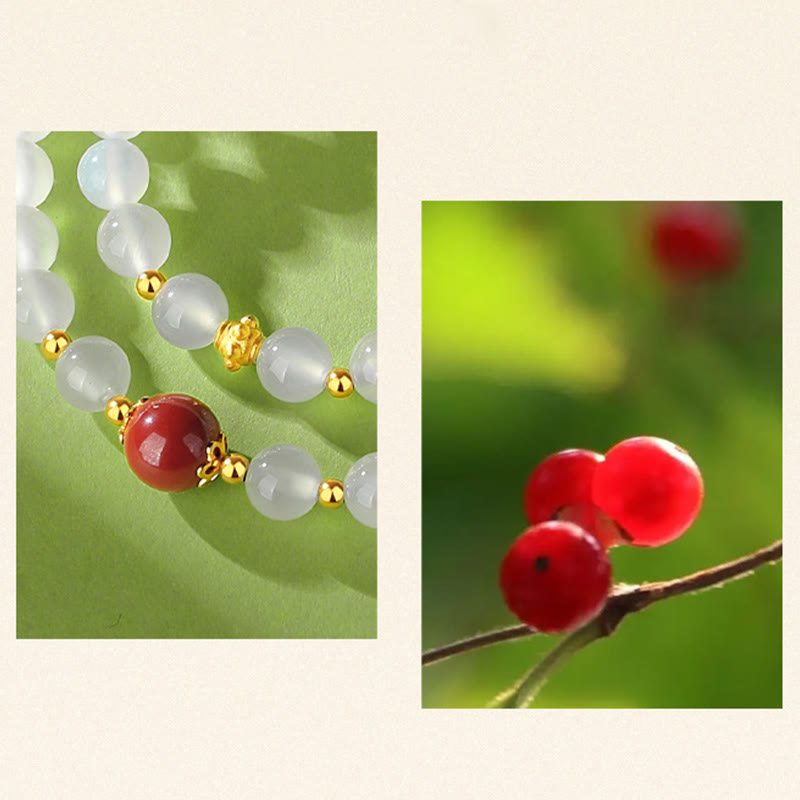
{"x": 524, "y": 691}
{"x": 625, "y": 600}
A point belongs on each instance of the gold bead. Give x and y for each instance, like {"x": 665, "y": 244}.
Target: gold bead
{"x": 117, "y": 409}
{"x": 54, "y": 344}
{"x": 149, "y": 283}
{"x": 331, "y": 493}
{"x": 340, "y": 383}
{"x": 234, "y": 468}
{"x": 238, "y": 342}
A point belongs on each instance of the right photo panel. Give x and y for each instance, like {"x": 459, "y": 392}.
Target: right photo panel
{"x": 602, "y": 454}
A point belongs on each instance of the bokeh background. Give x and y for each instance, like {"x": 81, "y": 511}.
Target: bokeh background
{"x": 286, "y": 224}
{"x": 547, "y": 325}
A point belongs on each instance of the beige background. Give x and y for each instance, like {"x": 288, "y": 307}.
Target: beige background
{"x": 472, "y": 99}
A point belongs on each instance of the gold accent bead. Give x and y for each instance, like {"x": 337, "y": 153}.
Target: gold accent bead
{"x": 117, "y": 409}
{"x": 238, "y": 342}
{"x": 234, "y": 468}
{"x": 149, "y": 283}
{"x": 128, "y": 417}
{"x": 54, "y": 344}
{"x": 331, "y": 493}
{"x": 340, "y": 383}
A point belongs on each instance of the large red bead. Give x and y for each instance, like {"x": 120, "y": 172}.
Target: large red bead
{"x": 166, "y": 441}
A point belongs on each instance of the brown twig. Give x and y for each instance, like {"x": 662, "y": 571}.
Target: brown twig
{"x": 626, "y": 600}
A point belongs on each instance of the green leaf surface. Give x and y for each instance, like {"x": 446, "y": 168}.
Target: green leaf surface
{"x": 286, "y": 224}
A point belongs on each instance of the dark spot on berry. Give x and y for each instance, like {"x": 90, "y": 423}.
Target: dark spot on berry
{"x": 541, "y": 564}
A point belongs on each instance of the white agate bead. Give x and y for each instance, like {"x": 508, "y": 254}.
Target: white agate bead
{"x": 44, "y": 303}
{"x": 116, "y": 134}
{"x": 361, "y": 490}
{"x": 112, "y": 172}
{"x": 189, "y": 309}
{"x": 293, "y": 364}
{"x": 37, "y": 239}
{"x": 364, "y": 367}
{"x": 282, "y": 482}
{"x": 91, "y": 371}
{"x": 133, "y": 238}
{"x": 34, "y": 174}
{"x": 32, "y": 136}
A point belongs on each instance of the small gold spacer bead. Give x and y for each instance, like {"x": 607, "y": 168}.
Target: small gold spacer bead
{"x": 238, "y": 342}
{"x": 149, "y": 283}
{"x": 331, "y": 493}
{"x": 234, "y": 468}
{"x": 117, "y": 409}
{"x": 340, "y": 383}
{"x": 54, "y": 344}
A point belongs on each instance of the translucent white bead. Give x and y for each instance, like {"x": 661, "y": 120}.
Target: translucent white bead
{"x": 361, "y": 490}
{"x": 189, "y": 309}
{"x": 364, "y": 367}
{"x": 282, "y": 482}
{"x": 32, "y": 136}
{"x": 293, "y": 364}
{"x": 44, "y": 303}
{"x": 34, "y": 174}
{"x": 133, "y": 238}
{"x": 116, "y": 134}
{"x": 91, "y": 371}
{"x": 112, "y": 172}
{"x": 37, "y": 239}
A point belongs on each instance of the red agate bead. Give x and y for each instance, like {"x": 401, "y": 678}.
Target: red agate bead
{"x": 165, "y": 440}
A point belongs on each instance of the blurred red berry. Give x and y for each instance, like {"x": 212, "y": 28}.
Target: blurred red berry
{"x": 562, "y": 479}
{"x": 650, "y": 487}
{"x": 555, "y": 577}
{"x": 696, "y": 240}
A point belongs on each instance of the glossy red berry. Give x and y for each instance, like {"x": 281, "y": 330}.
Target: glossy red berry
{"x": 555, "y": 577}
{"x": 594, "y": 521}
{"x": 560, "y": 480}
{"x": 650, "y": 487}
{"x": 696, "y": 240}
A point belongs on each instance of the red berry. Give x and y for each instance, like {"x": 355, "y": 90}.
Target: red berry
{"x": 696, "y": 240}
{"x": 562, "y": 479}
{"x": 594, "y": 521}
{"x": 650, "y": 487}
{"x": 555, "y": 577}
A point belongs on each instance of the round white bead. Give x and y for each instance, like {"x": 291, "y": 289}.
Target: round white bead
{"x": 133, "y": 238}
{"x": 34, "y": 174}
{"x": 116, "y": 134}
{"x": 361, "y": 490}
{"x": 293, "y": 364}
{"x": 282, "y": 482}
{"x": 32, "y": 136}
{"x": 189, "y": 309}
{"x": 37, "y": 239}
{"x": 44, "y": 303}
{"x": 112, "y": 172}
{"x": 364, "y": 367}
{"x": 91, "y": 371}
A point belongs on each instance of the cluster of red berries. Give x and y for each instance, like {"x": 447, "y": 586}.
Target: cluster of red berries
{"x": 645, "y": 491}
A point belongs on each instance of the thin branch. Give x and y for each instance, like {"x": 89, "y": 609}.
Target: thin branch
{"x": 626, "y": 600}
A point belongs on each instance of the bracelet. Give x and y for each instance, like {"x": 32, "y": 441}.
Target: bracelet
{"x": 190, "y": 310}
{"x": 172, "y": 442}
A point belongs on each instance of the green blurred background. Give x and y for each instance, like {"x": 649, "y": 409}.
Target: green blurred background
{"x": 547, "y": 326}
{"x": 286, "y": 224}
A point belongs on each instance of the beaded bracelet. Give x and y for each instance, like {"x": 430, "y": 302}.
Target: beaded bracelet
{"x": 190, "y": 310}
{"x": 172, "y": 442}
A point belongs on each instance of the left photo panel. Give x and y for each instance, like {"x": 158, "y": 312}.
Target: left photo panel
{"x": 196, "y": 384}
